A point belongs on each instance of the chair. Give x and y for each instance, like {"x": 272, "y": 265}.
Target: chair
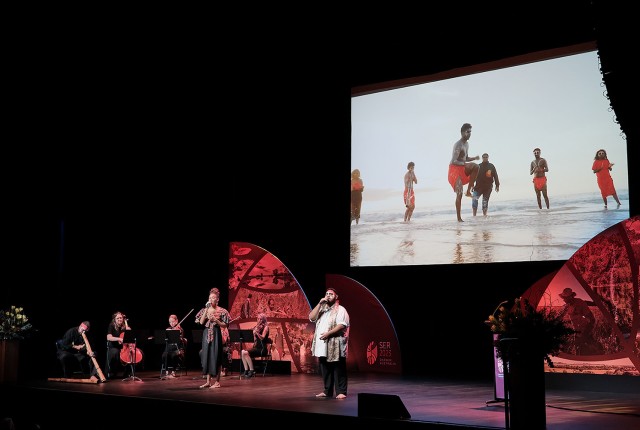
{"x": 262, "y": 362}
{"x": 110, "y": 373}
{"x": 77, "y": 372}
{"x": 58, "y": 347}
{"x": 166, "y": 369}
{"x": 174, "y": 342}
{"x": 107, "y": 362}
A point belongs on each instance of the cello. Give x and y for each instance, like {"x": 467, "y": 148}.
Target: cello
{"x": 129, "y": 354}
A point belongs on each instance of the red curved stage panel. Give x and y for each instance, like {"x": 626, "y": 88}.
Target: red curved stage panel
{"x": 373, "y": 343}
{"x": 275, "y": 292}
{"x": 259, "y": 276}
{"x": 603, "y": 275}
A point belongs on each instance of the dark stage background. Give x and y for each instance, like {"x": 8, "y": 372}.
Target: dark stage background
{"x": 140, "y": 152}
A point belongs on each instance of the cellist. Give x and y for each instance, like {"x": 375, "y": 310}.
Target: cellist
{"x": 115, "y": 337}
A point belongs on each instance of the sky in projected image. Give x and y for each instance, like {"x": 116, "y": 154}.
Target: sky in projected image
{"x": 558, "y": 105}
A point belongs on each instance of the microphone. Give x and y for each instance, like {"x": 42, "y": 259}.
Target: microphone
{"x": 207, "y": 305}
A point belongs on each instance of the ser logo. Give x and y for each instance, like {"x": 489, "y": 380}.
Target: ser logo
{"x": 372, "y": 352}
{"x": 378, "y": 350}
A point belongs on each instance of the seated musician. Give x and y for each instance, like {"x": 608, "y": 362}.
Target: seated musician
{"x": 259, "y": 349}
{"x": 173, "y": 355}
{"x": 115, "y": 337}
{"x": 72, "y": 352}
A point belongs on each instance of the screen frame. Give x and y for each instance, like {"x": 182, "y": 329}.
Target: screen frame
{"x": 504, "y": 63}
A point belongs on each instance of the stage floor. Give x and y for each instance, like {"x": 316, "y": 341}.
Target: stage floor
{"x": 431, "y": 403}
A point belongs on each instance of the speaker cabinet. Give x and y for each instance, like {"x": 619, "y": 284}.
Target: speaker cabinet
{"x": 386, "y": 406}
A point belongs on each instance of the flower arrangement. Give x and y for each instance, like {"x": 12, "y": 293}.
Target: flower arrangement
{"x": 14, "y": 324}
{"x": 541, "y": 332}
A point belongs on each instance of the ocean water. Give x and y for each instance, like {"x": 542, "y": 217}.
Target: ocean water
{"x": 514, "y": 230}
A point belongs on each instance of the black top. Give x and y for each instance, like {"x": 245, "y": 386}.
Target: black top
{"x": 487, "y": 174}
{"x": 114, "y": 331}
{"x": 72, "y": 337}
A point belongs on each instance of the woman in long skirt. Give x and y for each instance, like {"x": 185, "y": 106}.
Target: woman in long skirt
{"x": 214, "y": 318}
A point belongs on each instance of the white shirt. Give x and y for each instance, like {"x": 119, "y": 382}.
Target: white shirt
{"x": 322, "y": 326}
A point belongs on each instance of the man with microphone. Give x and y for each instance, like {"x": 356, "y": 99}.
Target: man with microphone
{"x": 330, "y": 343}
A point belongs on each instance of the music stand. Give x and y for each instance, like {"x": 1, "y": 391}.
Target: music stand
{"x": 172, "y": 337}
{"x": 241, "y": 336}
{"x": 130, "y": 339}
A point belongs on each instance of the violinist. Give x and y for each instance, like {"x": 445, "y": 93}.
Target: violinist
{"x": 259, "y": 348}
{"x": 214, "y": 318}
{"x": 173, "y": 356}
{"x": 115, "y": 337}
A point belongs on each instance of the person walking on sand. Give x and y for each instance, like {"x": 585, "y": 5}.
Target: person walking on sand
{"x": 602, "y": 168}
{"x": 538, "y": 169}
{"x": 357, "y": 187}
{"x": 487, "y": 175}
{"x": 409, "y": 195}
{"x": 461, "y": 170}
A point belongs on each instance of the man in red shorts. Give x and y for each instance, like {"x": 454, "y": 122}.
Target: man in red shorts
{"x": 461, "y": 170}
{"x": 538, "y": 169}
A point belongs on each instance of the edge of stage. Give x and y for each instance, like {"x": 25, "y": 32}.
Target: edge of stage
{"x": 277, "y": 399}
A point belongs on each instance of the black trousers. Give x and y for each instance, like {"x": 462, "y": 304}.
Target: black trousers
{"x": 334, "y": 375}
{"x": 78, "y": 361}
{"x": 115, "y": 365}
{"x": 173, "y": 358}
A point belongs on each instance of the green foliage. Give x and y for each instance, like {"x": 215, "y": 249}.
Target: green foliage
{"x": 14, "y": 324}
{"x": 540, "y": 332}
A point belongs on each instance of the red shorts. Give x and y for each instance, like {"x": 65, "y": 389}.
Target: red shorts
{"x": 457, "y": 177}
{"x": 539, "y": 182}
{"x": 409, "y": 198}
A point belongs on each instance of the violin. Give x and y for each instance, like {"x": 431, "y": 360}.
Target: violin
{"x": 129, "y": 354}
